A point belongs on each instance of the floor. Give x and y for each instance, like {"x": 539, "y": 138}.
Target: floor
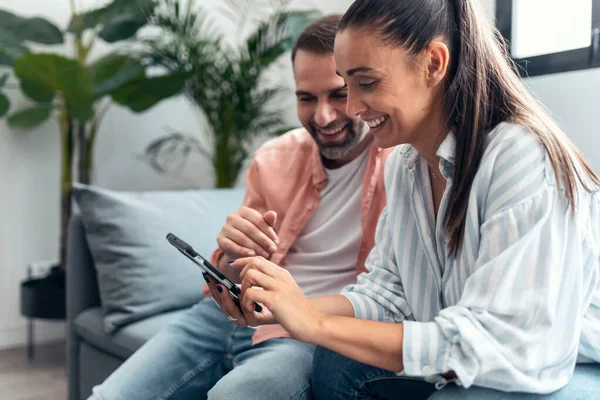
{"x": 43, "y": 378}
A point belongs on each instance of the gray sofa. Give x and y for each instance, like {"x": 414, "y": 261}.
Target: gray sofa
{"x": 92, "y": 353}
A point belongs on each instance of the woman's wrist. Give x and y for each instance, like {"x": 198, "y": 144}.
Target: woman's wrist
{"x": 316, "y": 331}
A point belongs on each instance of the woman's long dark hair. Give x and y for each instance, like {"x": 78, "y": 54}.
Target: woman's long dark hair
{"x": 483, "y": 89}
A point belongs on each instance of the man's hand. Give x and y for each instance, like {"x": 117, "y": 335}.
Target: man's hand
{"x": 248, "y": 233}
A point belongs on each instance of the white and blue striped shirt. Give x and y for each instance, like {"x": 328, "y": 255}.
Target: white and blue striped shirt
{"x": 521, "y": 302}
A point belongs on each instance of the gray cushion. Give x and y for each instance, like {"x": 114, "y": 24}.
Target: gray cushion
{"x": 139, "y": 273}
{"x": 127, "y": 340}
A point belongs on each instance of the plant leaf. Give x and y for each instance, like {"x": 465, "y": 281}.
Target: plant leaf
{"x": 60, "y": 74}
{"x": 114, "y": 71}
{"x": 4, "y": 104}
{"x": 37, "y": 92}
{"x": 125, "y": 18}
{"x": 296, "y": 22}
{"x": 88, "y": 20}
{"x": 36, "y": 29}
{"x": 10, "y": 48}
{"x": 277, "y": 35}
{"x": 142, "y": 94}
{"x": 31, "y": 117}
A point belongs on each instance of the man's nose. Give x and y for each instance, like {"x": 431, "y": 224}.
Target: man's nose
{"x": 325, "y": 114}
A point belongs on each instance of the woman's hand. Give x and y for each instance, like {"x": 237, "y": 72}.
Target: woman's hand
{"x": 234, "y": 312}
{"x": 274, "y": 287}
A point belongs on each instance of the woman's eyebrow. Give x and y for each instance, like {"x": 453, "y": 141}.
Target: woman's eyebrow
{"x": 352, "y": 71}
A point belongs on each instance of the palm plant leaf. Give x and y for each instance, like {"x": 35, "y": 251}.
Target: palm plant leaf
{"x": 226, "y": 83}
{"x": 276, "y": 36}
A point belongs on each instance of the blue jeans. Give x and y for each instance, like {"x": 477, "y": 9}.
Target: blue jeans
{"x": 202, "y": 354}
{"x": 338, "y": 377}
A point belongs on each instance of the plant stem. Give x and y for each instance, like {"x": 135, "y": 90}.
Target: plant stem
{"x": 82, "y": 171}
{"x": 73, "y": 7}
{"x": 66, "y": 131}
{"x": 86, "y": 49}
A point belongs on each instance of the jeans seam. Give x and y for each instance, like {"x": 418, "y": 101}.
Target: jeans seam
{"x": 300, "y": 393}
{"x": 186, "y": 379}
{"x": 381, "y": 378}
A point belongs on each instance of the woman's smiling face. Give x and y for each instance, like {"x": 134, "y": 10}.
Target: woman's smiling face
{"x": 392, "y": 91}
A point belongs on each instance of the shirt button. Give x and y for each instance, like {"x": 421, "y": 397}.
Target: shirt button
{"x": 427, "y": 370}
{"x": 309, "y": 207}
{"x": 282, "y": 246}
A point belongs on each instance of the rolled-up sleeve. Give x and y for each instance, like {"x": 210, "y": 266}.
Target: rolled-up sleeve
{"x": 378, "y": 294}
{"x": 516, "y": 326}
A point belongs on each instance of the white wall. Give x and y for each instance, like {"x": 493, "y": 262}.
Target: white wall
{"x": 29, "y": 169}
{"x": 571, "y": 99}
{"x": 28, "y": 201}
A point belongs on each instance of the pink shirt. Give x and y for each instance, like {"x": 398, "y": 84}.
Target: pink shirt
{"x": 287, "y": 176}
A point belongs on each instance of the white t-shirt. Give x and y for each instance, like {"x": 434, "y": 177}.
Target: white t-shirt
{"x": 323, "y": 257}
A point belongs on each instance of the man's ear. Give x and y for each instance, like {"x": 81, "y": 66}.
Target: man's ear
{"x": 437, "y": 59}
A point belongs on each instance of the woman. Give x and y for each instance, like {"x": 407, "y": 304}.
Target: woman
{"x": 486, "y": 268}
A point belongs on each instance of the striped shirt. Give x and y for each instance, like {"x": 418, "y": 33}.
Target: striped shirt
{"x": 521, "y": 302}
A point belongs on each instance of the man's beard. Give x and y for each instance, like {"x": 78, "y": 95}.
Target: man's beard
{"x": 357, "y": 130}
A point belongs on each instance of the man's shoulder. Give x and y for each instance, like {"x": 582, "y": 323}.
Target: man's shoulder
{"x": 296, "y": 140}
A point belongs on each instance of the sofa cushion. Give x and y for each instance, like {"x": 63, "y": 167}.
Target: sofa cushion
{"x": 139, "y": 273}
{"x": 89, "y": 325}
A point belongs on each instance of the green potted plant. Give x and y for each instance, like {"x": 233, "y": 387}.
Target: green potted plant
{"x": 76, "y": 91}
{"x": 224, "y": 81}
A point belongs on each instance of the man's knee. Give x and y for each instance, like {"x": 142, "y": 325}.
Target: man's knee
{"x": 281, "y": 372}
{"x": 258, "y": 389}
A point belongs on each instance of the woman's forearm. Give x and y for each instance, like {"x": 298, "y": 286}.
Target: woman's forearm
{"x": 333, "y": 305}
{"x": 370, "y": 342}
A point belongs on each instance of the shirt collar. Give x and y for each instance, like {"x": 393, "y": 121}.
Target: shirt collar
{"x": 447, "y": 149}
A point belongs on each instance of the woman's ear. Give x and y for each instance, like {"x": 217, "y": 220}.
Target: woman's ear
{"x": 437, "y": 58}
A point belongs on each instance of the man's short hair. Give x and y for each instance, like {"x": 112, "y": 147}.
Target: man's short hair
{"x": 318, "y": 37}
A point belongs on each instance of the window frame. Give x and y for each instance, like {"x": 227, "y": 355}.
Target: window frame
{"x": 564, "y": 61}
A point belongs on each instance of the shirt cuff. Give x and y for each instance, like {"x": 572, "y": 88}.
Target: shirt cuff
{"x": 364, "y": 306}
{"x": 425, "y": 350}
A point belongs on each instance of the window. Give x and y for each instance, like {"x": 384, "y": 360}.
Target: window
{"x": 551, "y": 36}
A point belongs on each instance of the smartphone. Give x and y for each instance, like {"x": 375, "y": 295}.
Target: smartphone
{"x": 207, "y": 267}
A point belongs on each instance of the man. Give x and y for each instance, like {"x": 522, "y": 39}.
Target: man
{"x": 312, "y": 203}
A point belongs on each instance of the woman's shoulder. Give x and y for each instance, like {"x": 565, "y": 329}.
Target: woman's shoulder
{"x": 514, "y": 167}
{"x": 506, "y": 138}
